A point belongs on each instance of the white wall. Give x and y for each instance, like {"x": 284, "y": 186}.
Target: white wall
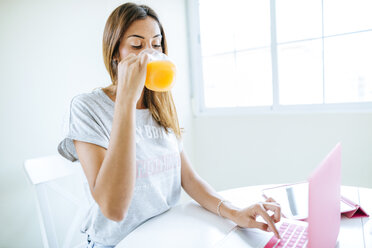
{"x": 49, "y": 52}
{"x": 239, "y": 151}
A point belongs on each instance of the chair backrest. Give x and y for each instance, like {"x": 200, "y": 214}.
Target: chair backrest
{"x": 63, "y": 198}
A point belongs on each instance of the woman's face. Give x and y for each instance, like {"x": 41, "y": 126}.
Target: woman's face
{"x": 141, "y": 34}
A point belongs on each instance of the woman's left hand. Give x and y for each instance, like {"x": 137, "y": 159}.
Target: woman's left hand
{"x": 246, "y": 217}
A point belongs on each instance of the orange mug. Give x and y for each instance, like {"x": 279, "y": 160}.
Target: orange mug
{"x": 161, "y": 72}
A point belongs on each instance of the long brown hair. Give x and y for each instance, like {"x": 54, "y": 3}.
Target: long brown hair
{"x": 160, "y": 104}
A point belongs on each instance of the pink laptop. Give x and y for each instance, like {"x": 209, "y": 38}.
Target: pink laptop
{"x": 323, "y": 222}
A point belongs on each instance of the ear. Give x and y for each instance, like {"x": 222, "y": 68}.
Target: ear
{"x": 115, "y": 60}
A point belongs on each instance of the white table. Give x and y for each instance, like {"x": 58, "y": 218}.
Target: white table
{"x": 190, "y": 225}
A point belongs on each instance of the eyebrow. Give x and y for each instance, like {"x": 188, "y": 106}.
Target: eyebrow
{"x": 138, "y": 36}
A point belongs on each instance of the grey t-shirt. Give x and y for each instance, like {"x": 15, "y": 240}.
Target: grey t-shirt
{"x": 158, "y": 164}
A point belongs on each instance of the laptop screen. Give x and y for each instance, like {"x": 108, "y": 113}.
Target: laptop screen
{"x": 324, "y": 201}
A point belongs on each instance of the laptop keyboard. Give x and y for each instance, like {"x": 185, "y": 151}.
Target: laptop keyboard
{"x": 292, "y": 236}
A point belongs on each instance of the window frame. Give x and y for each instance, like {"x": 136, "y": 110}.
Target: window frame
{"x": 197, "y": 84}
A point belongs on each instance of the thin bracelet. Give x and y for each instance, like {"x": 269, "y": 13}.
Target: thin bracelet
{"x": 218, "y": 207}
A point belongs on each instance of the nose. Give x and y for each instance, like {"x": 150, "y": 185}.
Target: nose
{"x": 148, "y": 45}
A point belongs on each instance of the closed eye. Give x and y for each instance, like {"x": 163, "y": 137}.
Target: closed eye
{"x": 140, "y": 46}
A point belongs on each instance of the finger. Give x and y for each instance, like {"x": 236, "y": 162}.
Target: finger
{"x": 145, "y": 58}
{"x": 128, "y": 62}
{"x": 274, "y": 218}
{"x": 136, "y": 63}
{"x": 259, "y": 225}
{"x": 129, "y": 56}
{"x": 129, "y": 59}
{"x": 268, "y": 220}
{"x": 275, "y": 208}
{"x": 270, "y": 199}
{"x": 142, "y": 58}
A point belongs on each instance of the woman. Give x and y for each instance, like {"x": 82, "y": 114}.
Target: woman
{"x": 128, "y": 141}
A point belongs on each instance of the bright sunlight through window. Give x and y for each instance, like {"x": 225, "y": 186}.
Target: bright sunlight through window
{"x": 271, "y": 53}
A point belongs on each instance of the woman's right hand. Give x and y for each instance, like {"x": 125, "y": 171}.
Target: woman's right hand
{"x": 132, "y": 76}
{"x": 246, "y": 217}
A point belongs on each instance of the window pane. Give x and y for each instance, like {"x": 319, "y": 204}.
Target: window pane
{"x": 238, "y": 25}
{"x": 250, "y": 21}
{"x": 342, "y": 16}
{"x": 254, "y": 81}
{"x": 216, "y": 34}
{"x": 234, "y": 74}
{"x": 298, "y": 19}
{"x": 300, "y": 72}
{"x": 348, "y": 68}
{"x": 219, "y": 81}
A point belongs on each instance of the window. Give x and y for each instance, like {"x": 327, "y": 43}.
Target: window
{"x": 279, "y": 55}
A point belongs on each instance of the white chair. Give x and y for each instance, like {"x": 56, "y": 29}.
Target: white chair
{"x": 61, "y": 191}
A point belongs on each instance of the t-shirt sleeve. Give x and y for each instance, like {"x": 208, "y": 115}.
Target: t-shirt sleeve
{"x": 80, "y": 125}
